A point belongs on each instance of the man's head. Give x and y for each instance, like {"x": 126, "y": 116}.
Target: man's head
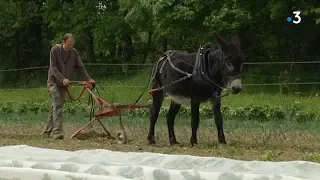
{"x": 68, "y": 41}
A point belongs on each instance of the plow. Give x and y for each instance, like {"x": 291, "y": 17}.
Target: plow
{"x": 105, "y": 109}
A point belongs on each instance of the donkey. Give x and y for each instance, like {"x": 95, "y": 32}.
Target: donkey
{"x": 194, "y": 78}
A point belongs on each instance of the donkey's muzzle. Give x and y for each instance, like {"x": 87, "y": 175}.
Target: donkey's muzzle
{"x": 236, "y": 90}
{"x": 235, "y": 86}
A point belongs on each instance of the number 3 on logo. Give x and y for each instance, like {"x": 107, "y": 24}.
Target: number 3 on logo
{"x": 297, "y": 17}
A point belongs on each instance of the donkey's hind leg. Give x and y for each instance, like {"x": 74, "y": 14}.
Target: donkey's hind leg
{"x": 157, "y": 98}
{"x": 171, "y": 116}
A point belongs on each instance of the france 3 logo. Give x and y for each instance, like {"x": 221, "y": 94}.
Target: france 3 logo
{"x": 296, "y": 19}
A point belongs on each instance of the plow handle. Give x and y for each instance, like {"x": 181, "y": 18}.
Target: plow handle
{"x": 82, "y": 82}
{"x": 86, "y": 85}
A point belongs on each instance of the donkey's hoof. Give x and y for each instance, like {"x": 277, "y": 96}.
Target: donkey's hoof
{"x": 222, "y": 146}
{"x": 174, "y": 143}
{"x": 151, "y": 141}
{"x": 193, "y": 142}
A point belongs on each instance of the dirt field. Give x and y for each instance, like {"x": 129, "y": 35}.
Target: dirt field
{"x": 242, "y": 144}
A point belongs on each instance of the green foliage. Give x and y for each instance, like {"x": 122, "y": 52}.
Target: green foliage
{"x": 268, "y": 156}
{"x": 292, "y": 112}
{"x": 128, "y": 31}
{"x": 229, "y": 17}
{"x": 314, "y": 157}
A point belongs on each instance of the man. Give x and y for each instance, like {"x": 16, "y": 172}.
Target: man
{"x": 64, "y": 60}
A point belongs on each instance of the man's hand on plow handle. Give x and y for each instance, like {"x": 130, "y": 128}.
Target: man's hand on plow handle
{"x": 89, "y": 84}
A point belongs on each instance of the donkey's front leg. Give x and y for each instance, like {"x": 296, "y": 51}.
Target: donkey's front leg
{"x": 216, "y": 108}
{"x": 194, "y": 122}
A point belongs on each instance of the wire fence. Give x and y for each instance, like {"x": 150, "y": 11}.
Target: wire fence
{"x": 256, "y": 75}
{"x": 124, "y": 86}
{"x": 150, "y": 64}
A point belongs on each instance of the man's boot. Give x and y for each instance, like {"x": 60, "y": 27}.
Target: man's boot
{"x": 45, "y": 134}
{"x": 57, "y": 136}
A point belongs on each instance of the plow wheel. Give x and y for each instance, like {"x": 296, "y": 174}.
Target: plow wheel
{"x": 121, "y": 135}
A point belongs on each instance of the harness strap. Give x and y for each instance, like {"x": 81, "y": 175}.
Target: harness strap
{"x": 174, "y": 67}
{"x": 161, "y": 68}
{"x": 168, "y": 54}
{"x": 201, "y": 68}
{"x": 201, "y": 72}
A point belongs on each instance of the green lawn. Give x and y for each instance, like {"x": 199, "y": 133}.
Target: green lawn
{"x": 123, "y": 89}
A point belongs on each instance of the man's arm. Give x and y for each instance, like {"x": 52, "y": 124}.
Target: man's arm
{"x": 80, "y": 68}
{"x": 54, "y": 66}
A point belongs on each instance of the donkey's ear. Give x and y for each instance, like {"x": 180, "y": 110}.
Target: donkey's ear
{"x": 236, "y": 41}
{"x": 223, "y": 44}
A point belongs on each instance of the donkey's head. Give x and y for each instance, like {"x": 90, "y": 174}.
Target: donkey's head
{"x": 232, "y": 62}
